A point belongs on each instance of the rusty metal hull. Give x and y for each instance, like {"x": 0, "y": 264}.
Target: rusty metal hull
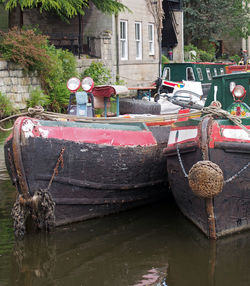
{"x": 96, "y": 180}
{"x": 229, "y": 211}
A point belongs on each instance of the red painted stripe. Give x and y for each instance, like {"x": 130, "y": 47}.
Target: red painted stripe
{"x": 101, "y": 136}
{"x": 217, "y": 137}
{"x": 163, "y": 123}
{"x": 232, "y": 127}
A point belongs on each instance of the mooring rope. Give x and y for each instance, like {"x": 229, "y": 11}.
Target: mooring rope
{"x": 30, "y": 112}
{"x": 215, "y": 110}
{"x": 39, "y": 111}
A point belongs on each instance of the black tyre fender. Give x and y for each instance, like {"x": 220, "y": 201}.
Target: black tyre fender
{"x": 137, "y": 106}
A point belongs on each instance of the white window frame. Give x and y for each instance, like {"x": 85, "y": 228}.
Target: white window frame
{"x": 138, "y": 41}
{"x": 151, "y": 39}
{"x": 190, "y": 73}
{"x": 209, "y": 76}
{"x": 200, "y": 75}
{"x": 124, "y": 39}
{"x": 166, "y": 74}
{"x": 222, "y": 71}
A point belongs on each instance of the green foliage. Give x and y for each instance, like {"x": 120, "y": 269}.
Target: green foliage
{"x": 199, "y": 55}
{"x": 205, "y": 19}
{"x": 66, "y": 8}
{"x": 6, "y": 108}
{"x": 37, "y": 98}
{"x": 59, "y": 97}
{"x": 119, "y": 81}
{"x": 164, "y": 59}
{"x": 25, "y": 48}
{"x": 33, "y": 53}
{"x": 235, "y": 58}
{"x": 206, "y": 56}
{"x": 98, "y": 72}
{"x": 55, "y": 77}
{"x": 110, "y": 6}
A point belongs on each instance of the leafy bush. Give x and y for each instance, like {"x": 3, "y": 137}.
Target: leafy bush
{"x": 205, "y": 56}
{"x": 6, "y": 108}
{"x": 25, "y": 48}
{"x": 55, "y": 78}
{"x": 37, "y": 98}
{"x": 32, "y": 51}
{"x": 98, "y": 72}
{"x": 164, "y": 60}
{"x": 191, "y": 56}
{"x": 59, "y": 97}
{"x": 199, "y": 55}
{"x": 235, "y": 58}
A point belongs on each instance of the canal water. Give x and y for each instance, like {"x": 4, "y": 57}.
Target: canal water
{"x": 152, "y": 245}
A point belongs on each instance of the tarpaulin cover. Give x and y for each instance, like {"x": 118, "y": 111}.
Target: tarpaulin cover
{"x": 109, "y": 90}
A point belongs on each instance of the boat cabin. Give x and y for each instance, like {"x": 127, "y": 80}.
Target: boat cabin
{"x": 237, "y": 68}
{"x": 191, "y": 71}
{"x": 233, "y": 92}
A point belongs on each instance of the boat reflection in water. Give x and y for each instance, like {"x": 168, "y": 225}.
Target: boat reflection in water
{"x": 124, "y": 249}
{"x": 152, "y": 245}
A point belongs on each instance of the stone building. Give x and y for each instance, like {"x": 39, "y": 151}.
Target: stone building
{"x": 130, "y": 44}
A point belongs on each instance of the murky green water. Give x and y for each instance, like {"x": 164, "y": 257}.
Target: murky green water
{"x": 153, "y": 245}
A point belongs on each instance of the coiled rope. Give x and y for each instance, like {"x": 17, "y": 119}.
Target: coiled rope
{"x": 30, "y": 112}
{"x": 215, "y": 110}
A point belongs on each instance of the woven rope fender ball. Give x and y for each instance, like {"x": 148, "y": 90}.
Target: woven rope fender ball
{"x": 206, "y": 179}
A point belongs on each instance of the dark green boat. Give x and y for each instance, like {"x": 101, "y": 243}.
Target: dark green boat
{"x": 193, "y": 71}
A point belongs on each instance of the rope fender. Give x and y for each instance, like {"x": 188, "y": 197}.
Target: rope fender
{"x": 206, "y": 179}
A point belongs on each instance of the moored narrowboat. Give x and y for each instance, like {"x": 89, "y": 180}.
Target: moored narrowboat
{"x": 208, "y": 159}
{"x": 68, "y": 171}
{"x": 193, "y": 71}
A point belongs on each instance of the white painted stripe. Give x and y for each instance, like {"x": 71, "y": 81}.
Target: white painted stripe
{"x": 235, "y": 134}
{"x": 27, "y": 128}
{"x": 184, "y": 134}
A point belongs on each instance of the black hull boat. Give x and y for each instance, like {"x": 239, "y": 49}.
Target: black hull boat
{"x": 208, "y": 160}
{"x": 67, "y": 171}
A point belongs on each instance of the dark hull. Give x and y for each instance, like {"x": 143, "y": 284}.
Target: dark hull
{"x": 232, "y": 206}
{"x": 96, "y": 180}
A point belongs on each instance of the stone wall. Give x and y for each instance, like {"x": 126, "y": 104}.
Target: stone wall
{"x": 16, "y": 84}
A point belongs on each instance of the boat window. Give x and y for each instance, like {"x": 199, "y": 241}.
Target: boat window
{"x": 200, "y": 75}
{"x": 209, "y": 76}
{"x": 221, "y": 71}
{"x": 190, "y": 74}
{"x": 215, "y": 72}
{"x": 166, "y": 74}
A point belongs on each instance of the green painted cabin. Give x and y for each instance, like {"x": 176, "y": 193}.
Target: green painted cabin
{"x": 203, "y": 72}
{"x": 225, "y": 85}
{"x": 190, "y": 71}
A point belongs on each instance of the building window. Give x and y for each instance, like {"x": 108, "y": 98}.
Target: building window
{"x": 124, "y": 39}
{"x": 138, "y": 41}
{"x": 151, "y": 39}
